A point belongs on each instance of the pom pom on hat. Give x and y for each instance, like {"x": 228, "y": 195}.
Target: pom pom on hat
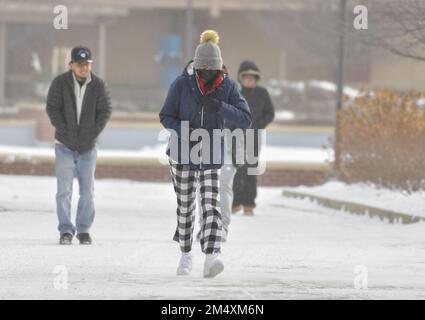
{"x": 210, "y": 36}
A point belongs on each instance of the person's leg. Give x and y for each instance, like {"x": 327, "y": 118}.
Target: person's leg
{"x": 65, "y": 173}
{"x": 211, "y": 216}
{"x": 227, "y": 174}
{"x": 250, "y": 194}
{"x": 184, "y": 186}
{"x": 86, "y": 167}
{"x": 250, "y": 180}
{"x": 212, "y": 225}
{"x": 199, "y": 212}
{"x": 226, "y": 199}
{"x": 238, "y": 187}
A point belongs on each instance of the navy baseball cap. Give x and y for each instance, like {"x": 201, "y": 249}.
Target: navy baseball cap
{"x": 81, "y": 54}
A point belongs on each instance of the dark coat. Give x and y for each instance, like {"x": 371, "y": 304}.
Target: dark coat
{"x": 62, "y": 111}
{"x": 183, "y": 103}
{"x": 258, "y": 98}
{"x": 261, "y": 106}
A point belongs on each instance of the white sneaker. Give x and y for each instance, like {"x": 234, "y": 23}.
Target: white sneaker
{"x": 185, "y": 265}
{"x": 213, "y": 265}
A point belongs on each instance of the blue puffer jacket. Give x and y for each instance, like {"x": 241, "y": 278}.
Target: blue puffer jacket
{"x": 183, "y": 103}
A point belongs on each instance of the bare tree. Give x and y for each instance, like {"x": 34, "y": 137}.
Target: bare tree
{"x": 395, "y": 25}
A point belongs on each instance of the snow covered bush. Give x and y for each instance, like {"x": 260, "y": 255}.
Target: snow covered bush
{"x": 382, "y": 140}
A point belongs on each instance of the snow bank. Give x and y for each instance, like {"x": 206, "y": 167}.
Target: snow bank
{"x": 284, "y": 115}
{"x": 370, "y": 195}
{"x": 10, "y": 154}
{"x": 276, "y": 87}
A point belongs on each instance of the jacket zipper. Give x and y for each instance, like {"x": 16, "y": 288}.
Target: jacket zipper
{"x": 202, "y": 125}
{"x": 202, "y": 120}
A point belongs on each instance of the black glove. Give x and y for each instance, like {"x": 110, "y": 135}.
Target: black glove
{"x": 211, "y": 104}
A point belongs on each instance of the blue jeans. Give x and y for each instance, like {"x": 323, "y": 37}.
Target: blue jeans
{"x": 69, "y": 165}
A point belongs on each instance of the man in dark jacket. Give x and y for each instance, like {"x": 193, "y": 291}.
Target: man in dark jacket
{"x": 262, "y": 113}
{"x": 79, "y": 106}
{"x": 201, "y": 99}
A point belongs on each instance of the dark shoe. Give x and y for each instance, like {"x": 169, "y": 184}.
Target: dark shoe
{"x": 84, "y": 238}
{"x": 65, "y": 239}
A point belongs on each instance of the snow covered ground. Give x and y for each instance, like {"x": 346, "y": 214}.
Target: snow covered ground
{"x": 270, "y": 154}
{"x": 291, "y": 249}
{"x": 368, "y": 194}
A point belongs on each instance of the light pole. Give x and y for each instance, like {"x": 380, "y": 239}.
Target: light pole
{"x": 189, "y": 29}
{"x": 2, "y": 64}
{"x": 340, "y": 79}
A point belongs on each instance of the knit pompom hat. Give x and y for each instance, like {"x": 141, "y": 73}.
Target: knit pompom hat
{"x": 208, "y": 54}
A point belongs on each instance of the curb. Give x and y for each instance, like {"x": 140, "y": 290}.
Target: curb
{"x": 356, "y": 208}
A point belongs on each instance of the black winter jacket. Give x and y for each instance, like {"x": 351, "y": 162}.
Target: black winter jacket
{"x": 62, "y": 111}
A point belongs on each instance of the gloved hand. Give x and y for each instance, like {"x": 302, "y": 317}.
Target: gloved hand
{"x": 211, "y": 104}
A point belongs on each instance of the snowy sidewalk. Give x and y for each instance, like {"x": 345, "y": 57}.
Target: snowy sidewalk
{"x": 291, "y": 249}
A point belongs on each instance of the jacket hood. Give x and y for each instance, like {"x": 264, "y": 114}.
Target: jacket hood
{"x": 188, "y": 69}
{"x": 248, "y": 67}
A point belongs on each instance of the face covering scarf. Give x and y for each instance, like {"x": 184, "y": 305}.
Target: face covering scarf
{"x": 207, "y": 75}
{"x": 215, "y": 78}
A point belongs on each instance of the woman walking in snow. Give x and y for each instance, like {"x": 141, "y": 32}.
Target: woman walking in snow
{"x": 203, "y": 96}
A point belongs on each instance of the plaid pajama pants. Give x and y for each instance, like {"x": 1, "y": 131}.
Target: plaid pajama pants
{"x": 185, "y": 181}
